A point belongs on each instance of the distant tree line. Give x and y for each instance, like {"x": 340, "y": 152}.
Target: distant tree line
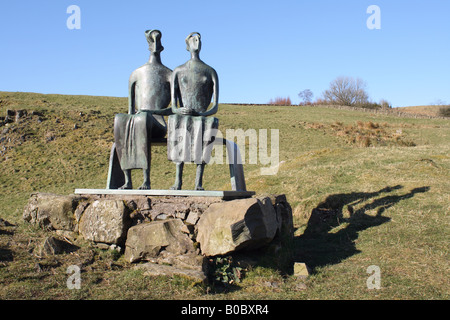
{"x": 342, "y": 91}
{"x": 279, "y": 101}
{"x": 346, "y": 91}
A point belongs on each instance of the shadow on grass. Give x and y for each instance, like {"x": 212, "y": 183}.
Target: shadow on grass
{"x": 5, "y": 253}
{"x": 319, "y": 246}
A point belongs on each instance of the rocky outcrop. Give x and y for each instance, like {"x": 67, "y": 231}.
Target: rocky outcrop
{"x": 170, "y": 235}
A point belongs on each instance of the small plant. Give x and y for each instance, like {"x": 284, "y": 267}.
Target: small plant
{"x": 225, "y": 272}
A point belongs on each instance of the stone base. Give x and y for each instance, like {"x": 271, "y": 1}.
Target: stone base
{"x": 178, "y": 232}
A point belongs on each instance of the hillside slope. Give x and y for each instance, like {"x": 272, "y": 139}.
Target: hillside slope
{"x": 366, "y": 189}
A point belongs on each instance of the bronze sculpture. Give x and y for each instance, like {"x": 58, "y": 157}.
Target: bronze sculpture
{"x": 149, "y": 95}
{"x": 193, "y": 86}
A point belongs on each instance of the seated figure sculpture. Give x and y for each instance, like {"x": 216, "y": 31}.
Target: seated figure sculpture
{"x": 148, "y": 100}
{"x": 193, "y": 86}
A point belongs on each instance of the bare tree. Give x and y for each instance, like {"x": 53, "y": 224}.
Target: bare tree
{"x": 438, "y": 102}
{"x": 385, "y": 104}
{"x": 347, "y": 91}
{"x": 306, "y": 95}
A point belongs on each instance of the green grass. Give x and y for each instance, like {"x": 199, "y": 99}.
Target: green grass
{"x": 365, "y": 189}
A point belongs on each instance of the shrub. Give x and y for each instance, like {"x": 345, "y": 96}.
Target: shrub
{"x": 385, "y": 104}
{"x": 281, "y": 101}
{"x": 444, "y": 111}
{"x": 368, "y": 105}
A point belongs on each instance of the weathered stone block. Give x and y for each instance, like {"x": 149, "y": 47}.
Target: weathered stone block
{"x": 236, "y": 225}
{"x": 52, "y": 211}
{"x": 193, "y": 217}
{"x": 169, "y": 209}
{"x": 301, "y": 270}
{"x": 104, "y": 221}
{"x": 138, "y": 203}
{"x": 155, "y": 269}
{"x": 52, "y": 245}
{"x": 145, "y": 241}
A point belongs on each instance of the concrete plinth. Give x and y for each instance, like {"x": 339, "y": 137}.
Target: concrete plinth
{"x": 226, "y": 195}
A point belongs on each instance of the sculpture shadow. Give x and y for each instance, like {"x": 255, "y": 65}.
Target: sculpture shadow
{"x": 319, "y": 246}
{"x": 5, "y": 255}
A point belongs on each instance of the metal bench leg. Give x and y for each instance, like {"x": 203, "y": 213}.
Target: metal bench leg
{"x": 235, "y": 163}
{"x": 116, "y": 177}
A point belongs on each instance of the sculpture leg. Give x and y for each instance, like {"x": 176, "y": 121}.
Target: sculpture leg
{"x": 146, "y": 184}
{"x": 199, "y": 177}
{"x": 128, "y": 184}
{"x": 178, "y": 177}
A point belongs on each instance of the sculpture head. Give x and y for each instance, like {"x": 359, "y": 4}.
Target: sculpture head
{"x": 154, "y": 40}
{"x": 193, "y": 42}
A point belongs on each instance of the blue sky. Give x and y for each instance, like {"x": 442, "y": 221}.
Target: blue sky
{"x": 260, "y": 49}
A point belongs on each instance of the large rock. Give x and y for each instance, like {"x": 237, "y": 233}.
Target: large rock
{"x": 155, "y": 269}
{"x": 190, "y": 265}
{"x": 235, "y": 225}
{"x": 52, "y": 246}
{"x": 147, "y": 240}
{"x": 52, "y": 211}
{"x": 105, "y": 221}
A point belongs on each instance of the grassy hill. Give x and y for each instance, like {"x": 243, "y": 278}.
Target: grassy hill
{"x": 365, "y": 189}
{"x": 432, "y": 111}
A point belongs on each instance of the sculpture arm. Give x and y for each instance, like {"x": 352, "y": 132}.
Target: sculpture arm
{"x": 132, "y": 94}
{"x": 174, "y": 93}
{"x": 164, "y": 112}
{"x": 175, "y": 96}
{"x": 215, "y": 106}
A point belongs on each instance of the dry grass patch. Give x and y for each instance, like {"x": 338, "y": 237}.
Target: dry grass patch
{"x": 365, "y": 134}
